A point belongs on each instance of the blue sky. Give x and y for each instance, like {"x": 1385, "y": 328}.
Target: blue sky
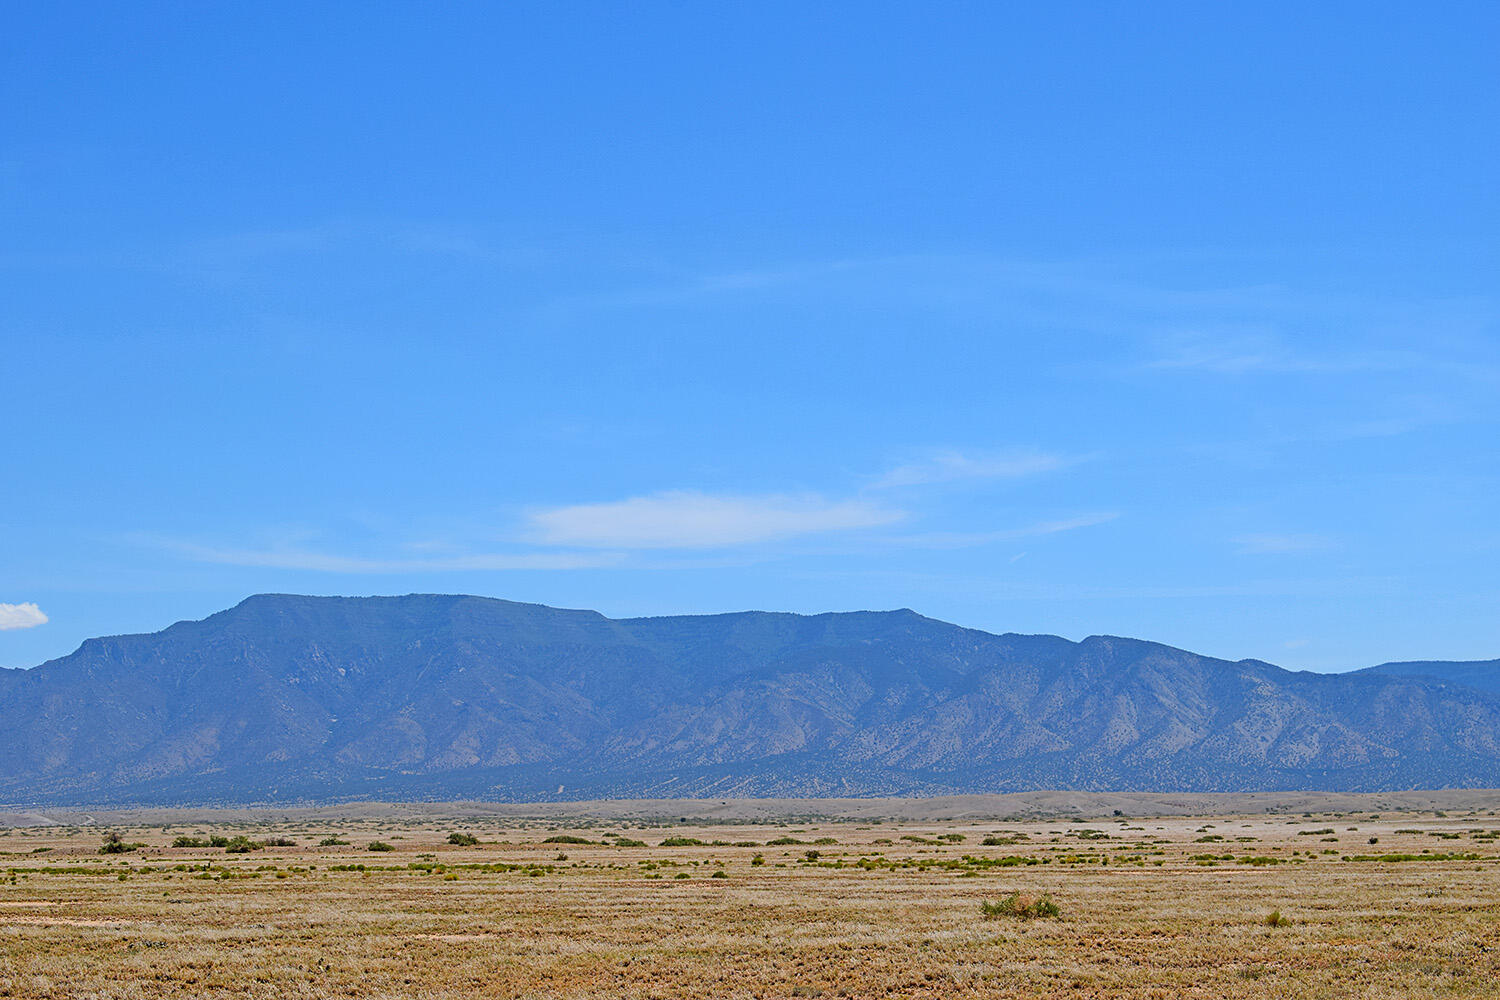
{"x": 1174, "y": 321}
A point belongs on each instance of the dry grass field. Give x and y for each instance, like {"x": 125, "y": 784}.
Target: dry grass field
{"x": 1388, "y": 904}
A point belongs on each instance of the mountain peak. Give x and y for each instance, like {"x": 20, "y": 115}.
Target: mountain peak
{"x": 455, "y": 696}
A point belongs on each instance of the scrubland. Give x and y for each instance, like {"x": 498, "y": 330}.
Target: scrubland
{"x": 1315, "y": 904}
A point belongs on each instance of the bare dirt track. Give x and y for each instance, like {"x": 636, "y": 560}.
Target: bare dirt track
{"x": 1399, "y": 901}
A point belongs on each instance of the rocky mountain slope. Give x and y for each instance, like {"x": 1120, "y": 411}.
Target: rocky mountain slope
{"x": 443, "y": 697}
{"x": 1482, "y": 675}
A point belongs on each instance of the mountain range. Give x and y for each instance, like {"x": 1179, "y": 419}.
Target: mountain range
{"x": 289, "y": 698}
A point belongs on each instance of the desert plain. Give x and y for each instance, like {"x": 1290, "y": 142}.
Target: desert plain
{"x": 1038, "y": 895}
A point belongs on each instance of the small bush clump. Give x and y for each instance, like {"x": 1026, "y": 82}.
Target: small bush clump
{"x": 1021, "y": 906}
{"x": 462, "y": 839}
{"x": 1275, "y": 919}
{"x": 115, "y": 844}
{"x": 379, "y": 845}
{"x": 242, "y": 845}
{"x": 567, "y": 838}
{"x": 333, "y": 842}
{"x": 682, "y": 842}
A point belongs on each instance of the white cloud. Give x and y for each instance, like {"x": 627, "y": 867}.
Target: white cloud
{"x": 1281, "y": 544}
{"x": 1263, "y": 353}
{"x": 968, "y": 539}
{"x": 26, "y": 615}
{"x": 685, "y": 519}
{"x": 948, "y": 466}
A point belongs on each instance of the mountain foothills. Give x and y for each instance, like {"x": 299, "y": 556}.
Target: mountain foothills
{"x": 442, "y": 697}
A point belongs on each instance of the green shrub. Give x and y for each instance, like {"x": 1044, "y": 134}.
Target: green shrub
{"x": 1021, "y": 906}
{"x": 783, "y": 842}
{"x": 758, "y": 860}
{"x": 189, "y": 842}
{"x": 1275, "y": 919}
{"x": 242, "y": 845}
{"x": 720, "y": 874}
{"x": 627, "y": 842}
{"x": 379, "y": 845}
{"x": 333, "y": 842}
{"x": 115, "y": 844}
{"x": 682, "y": 842}
{"x": 218, "y": 840}
{"x": 567, "y": 838}
{"x": 462, "y": 839}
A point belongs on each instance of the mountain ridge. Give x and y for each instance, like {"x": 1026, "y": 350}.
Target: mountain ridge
{"x": 286, "y": 697}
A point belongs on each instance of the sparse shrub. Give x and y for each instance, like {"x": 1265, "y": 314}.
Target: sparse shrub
{"x": 568, "y": 838}
{"x": 812, "y": 855}
{"x": 720, "y": 874}
{"x": 758, "y": 860}
{"x": 628, "y": 842}
{"x": 1021, "y": 906}
{"x": 1275, "y": 919}
{"x": 189, "y": 842}
{"x": 279, "y": 842}
{"x": 953, "y": 838}
{"x": 682, "y": 842}
{"x": 218, "y": 840}
{"x": 825, "y": 841}
{"x": 333, "y": 842}
{"x": 783, "y": 842}
{"x": 379, "y": 845}
{"x": 115, "y": 844}
{"x": 462, "y": 839}
{"x": 1374, "y": 840}
{"x": 242, "y": 845}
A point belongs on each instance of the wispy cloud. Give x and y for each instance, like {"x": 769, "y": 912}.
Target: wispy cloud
{"x": 1261, "y": 353}
{"x": 25, "y": 615}
{"x": 969, "y": 539}
{"x": 1272, "y": 544}
{"x": 685, "y": 519}
{"x": 948, "y": 466}
{"x": 328, "y": 562}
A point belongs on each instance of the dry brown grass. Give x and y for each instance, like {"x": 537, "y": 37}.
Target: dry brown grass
{"x": 864, "y": 918}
